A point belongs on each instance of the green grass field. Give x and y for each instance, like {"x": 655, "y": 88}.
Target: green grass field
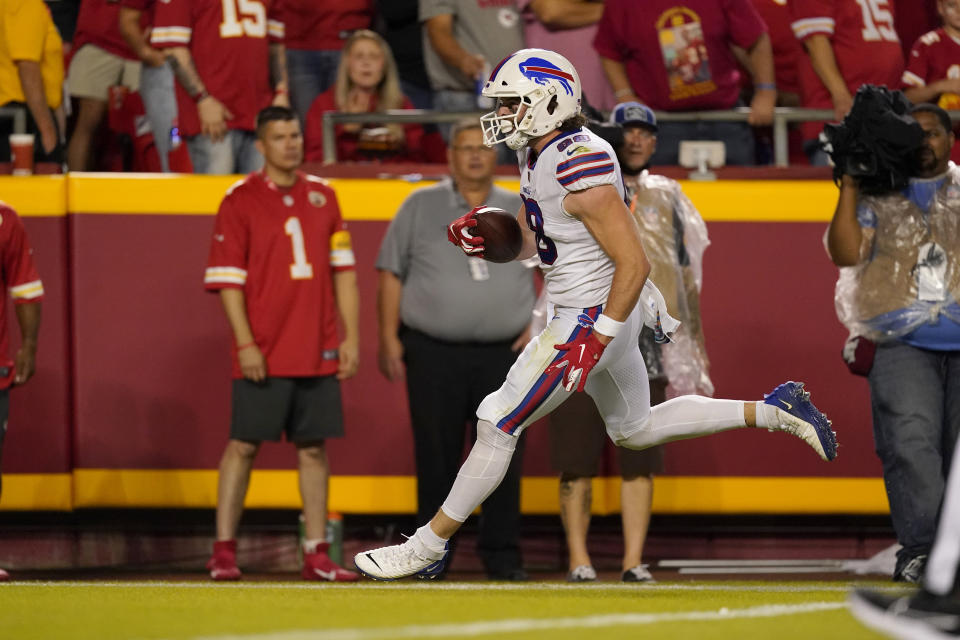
{"x": 368, "y": 611}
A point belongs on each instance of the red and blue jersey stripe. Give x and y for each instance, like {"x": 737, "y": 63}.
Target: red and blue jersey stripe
{"x": 545, "y": 384}
{"x": 591, "y": 164}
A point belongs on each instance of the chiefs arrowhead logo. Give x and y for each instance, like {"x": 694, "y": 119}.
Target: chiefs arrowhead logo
{"x": 316, "y": 198}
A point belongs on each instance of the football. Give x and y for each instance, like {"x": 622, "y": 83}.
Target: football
{"x": 502, "y": 239}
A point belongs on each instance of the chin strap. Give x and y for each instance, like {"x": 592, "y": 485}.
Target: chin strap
{"x": 517, "y": 140}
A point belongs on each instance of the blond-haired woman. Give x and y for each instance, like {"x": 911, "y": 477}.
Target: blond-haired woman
{"x": 367, "y": 81}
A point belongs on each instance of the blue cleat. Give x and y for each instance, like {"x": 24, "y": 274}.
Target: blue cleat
{"x": 437, "y": 567}
{"x": 801, "y": 418}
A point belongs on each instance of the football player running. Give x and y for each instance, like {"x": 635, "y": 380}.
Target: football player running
{"x": 596, "y": 279}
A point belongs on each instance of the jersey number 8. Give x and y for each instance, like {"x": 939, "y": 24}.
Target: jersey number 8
{"x": 546, "y": 248}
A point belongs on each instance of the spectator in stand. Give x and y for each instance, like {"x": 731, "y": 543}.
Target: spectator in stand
{"x": 462, "y": 42}
{"x": 681, "y": 58}
{"x": 315, "y": 35}
{"x": 399, "y": 22}
{"x": 101, "y": 58}
{"x": 228, "y": 67}
{"x": 20, "y": 278}
{"x": 848, "y": 44}
{"x": 452, "y": 325}
{"x": 786, "y": 50}
{"x": 367, "y": 82}
{"x": 288, "y": 360}
{"x": 568, "y": 27}
{"x": 933, "y": 67}
{"x": 156, "y": 77}
{"x": 31, "y": 75}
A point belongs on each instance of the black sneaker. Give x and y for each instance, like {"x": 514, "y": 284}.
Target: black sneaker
{"x": 911, "y": 571}
{"x": 922, "y": 615}
{"x": 639, "y": 573}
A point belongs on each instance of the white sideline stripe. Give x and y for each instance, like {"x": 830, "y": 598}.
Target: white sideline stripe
{"x": 759, "y": 570}
{"x": 534, "y": 624}
{"x": 749, "y": 563}
{"x": 454, "y": 586}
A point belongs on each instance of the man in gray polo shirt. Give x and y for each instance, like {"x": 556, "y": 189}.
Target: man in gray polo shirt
{"x": 462, "y": 41}
{"x": 455, "y": 324}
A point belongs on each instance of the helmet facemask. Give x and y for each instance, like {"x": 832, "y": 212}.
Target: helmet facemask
{"x": 517, "y": 128}
{"x": 506, "y": 128}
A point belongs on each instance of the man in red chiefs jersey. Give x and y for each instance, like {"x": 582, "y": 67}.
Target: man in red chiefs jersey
{"x": 282, "y": 262}
{"x": 849, "y": 43}
{"x": 933, "y": 66}
{"x": 229, "y": 61}
{"x": 102, "y": 59}
{"x": 19, "y": 277}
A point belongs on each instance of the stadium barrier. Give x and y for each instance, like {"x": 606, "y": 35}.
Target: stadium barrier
{"x": 130, "y": 404}
{"x": 782, "y": 117}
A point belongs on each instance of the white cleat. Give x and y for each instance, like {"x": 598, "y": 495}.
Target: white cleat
{"x": 398, "y": 561}
{"x": 802, "y": 429}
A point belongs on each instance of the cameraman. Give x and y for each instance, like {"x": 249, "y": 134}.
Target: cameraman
{"x": 901, "y": 291}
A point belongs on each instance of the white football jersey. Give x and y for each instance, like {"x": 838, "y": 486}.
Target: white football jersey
{"x": 577, "y": 271}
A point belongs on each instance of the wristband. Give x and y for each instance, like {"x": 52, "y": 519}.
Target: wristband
{"x": 245, "y": 346}
{"x": 200, "y": 95}
{"x": 765, "y": 85}
{"x": 607, "y": 326}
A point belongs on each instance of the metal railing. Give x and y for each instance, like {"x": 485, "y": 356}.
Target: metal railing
{"x": 18, "y": 115}
{"x": 782, "y": 116}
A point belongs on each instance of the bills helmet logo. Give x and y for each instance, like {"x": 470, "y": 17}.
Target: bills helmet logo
{"x": 540, "y": 70}
{"x": 585, "y": 321}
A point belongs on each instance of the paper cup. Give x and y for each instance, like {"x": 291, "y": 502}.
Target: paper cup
{"x": 21, "y": 152}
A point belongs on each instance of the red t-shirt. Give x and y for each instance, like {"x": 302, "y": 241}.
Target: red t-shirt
{"x": 230, "y": 51}
{"x": 19, "y": 277}
{"x": 282, "y": 247}
{"x": 324, "y": 25}
{"x": 786, "y": 48}
{"x": 864, "y": 41}
{"x": 98, "y": 24}
{"x": 349, "y": 145}
{"x": 677, "y": 55}
{"x": 935, "y": 56}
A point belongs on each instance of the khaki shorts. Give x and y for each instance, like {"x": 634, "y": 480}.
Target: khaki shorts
{"x": 93, "y": 71}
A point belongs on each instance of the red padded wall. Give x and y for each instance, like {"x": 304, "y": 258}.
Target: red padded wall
{"x": 152, "y": 368}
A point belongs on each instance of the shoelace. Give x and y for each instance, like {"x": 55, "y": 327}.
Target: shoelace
{"x": 400, "y": 556}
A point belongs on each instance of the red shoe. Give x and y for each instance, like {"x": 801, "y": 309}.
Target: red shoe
{"x": 223, "y": 563}
{"x": 319, "y": 566}
{"x": 4, "y": 576}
